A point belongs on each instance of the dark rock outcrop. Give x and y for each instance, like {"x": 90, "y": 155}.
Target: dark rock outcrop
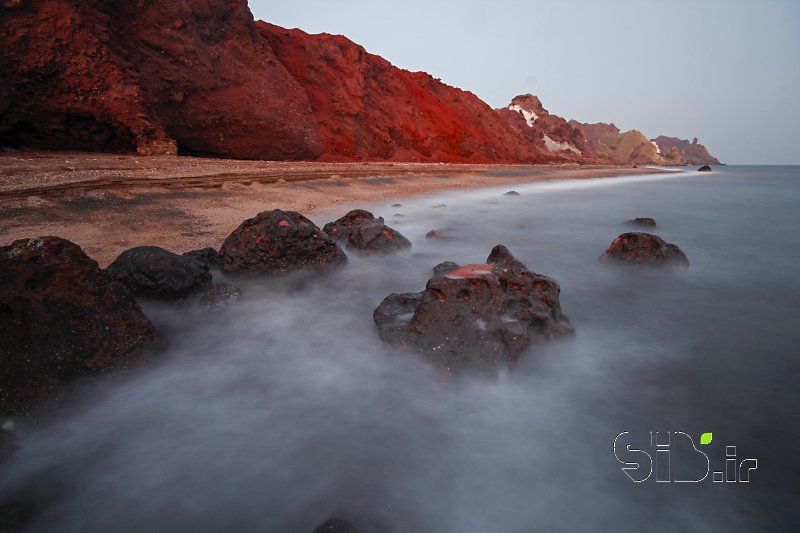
{"x": 704, "y": 168}
{"x": 476, "y": 317}
{"x": 644, "y": 249}
{"x": 208, "y": 256}
{"x": 154, "y": 272}
{"x": 60, "y": 319}
{"x": 220, "y": 295}
{"x": 278, "y": 241}
{"x": 335, "y": 525}
{"x": 643, "y": 221}
{"x": 365, "y": 233}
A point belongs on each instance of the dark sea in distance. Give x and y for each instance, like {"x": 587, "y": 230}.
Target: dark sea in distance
{"x": 284, "y": 410}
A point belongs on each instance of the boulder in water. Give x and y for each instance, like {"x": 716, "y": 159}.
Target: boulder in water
{"x": 61, "y": 319}
{"x": 704, "y": 168}
{"x": 477, "y": 316}
{"x": 644, "y": 249}
{"x": 365, "y": 233}
{"x": 278, "y": 241}
{"x": 154, "y": 272}
{"x": 643, "y": 221}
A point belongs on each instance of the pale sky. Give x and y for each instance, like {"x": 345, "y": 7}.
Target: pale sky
{"x": 727, "y": 72}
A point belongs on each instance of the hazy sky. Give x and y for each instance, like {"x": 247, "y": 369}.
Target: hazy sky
{"x": 727, "y": 72}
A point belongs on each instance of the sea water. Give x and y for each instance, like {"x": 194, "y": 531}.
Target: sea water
{"x": 285, "y": 409}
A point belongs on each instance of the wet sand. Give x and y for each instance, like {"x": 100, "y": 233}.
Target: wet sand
{"x": 107, "y": 203}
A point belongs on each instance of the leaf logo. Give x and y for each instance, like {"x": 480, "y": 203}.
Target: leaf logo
{"x": 705, "y": 438}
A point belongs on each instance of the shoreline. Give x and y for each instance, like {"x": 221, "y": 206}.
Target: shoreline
{"x": 107, "y": 203}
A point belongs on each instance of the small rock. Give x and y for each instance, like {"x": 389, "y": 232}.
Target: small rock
{"x": 336, "y": 525}
{"x": 704, "y": 168}
{"x": 435, "y": 234}
{"x": 511, "y": 193}
{"x": 154, "y": 272}
{"x": 650, "y": 222}
{"x": 644, "y": 249}
{"x": 340, "y": 229}
{"x": 376, "y": 238}
{"x": 445, "y": 267}
{"x": 365, "y": 233}
{"x": 220, "y": 295}
{"x": 397, "y": 205}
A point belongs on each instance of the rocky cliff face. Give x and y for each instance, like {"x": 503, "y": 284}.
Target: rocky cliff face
{"x": 149, "y": 76}
{"x": 597, "y": 143}
{"x": 369, "y": 109}
{"x": 549, "y": 133}
{"x": 692, "y": 153}
{"x": 199, "y": 76}
{"x": 202, "y": 77}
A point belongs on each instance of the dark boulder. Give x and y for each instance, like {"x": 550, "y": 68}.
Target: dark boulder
{"x": 478, "y": 316}
{"x": 157, "y": 273}
{"x": 208, "y": 256}
{"x": 340, "y": 229}
{"x": 704, "y": 168}
{"x": 220, "y": 295}
{"x": 644, "y": 249}
{"x": 335, "y": 525}
{"x": 511, "y": 193}
{"x": 60, "y": 319}
{"x": 364, "y": 232}
{"x": 376, "y": 238}
{"x": 644, "y": 221}
{"x": 276, "y": 242}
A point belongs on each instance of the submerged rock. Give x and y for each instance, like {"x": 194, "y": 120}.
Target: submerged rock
{"x": 477, "y": 316}
{"x": 643, "y": 221}
{"x": 208, "y": 256}
{"x": 644, "y": 249}
{"x": 511, "y": 193}
{"x": 154, "y": 272}
{"x": 60, "y": 319}
{"x": 276, "y": 242}
{"x": 365, "y": 233}
{"x": 704, "y": 168}
{"x": 335, "y": 525}
{"x": 220, "y": 295}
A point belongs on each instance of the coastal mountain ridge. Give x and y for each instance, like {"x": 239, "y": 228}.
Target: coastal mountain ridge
{"x": 202, "y": 77}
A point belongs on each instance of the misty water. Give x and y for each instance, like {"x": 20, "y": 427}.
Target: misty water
{"x": 286, "y": 409}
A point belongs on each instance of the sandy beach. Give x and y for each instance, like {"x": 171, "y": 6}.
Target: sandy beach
{"x": 107, "y": 203}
